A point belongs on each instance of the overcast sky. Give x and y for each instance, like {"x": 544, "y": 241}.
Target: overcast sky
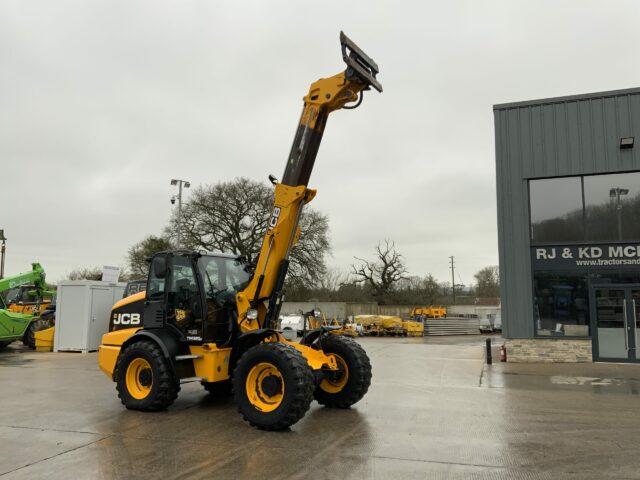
{"x": 102, "y": 102}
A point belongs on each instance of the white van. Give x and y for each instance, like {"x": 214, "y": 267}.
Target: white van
{"x": 497, "y": 322}
{"x": 293, "y": 323}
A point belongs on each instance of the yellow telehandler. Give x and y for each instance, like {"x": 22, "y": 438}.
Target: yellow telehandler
{"x": 212, "y": 318}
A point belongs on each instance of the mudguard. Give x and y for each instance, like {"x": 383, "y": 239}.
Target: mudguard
{"x": 248, "y": 340}
{"x": 312, "y": 335}
{"x": 169, "y": 345}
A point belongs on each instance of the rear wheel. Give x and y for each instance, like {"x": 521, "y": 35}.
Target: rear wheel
{"x": 272, "y": 386}
{"x": 351, "y": 382}
{"x": 144, "y": 378}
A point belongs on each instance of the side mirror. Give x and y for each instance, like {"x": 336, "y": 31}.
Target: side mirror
{"x": 159, "y": 267}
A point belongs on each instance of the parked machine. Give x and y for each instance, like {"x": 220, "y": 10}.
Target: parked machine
{"x": 316, "y": 319}
{"x": 17, "y": 322}
{"x": 413, "y": 328}
{"x": 301, "y": 322}
{"x": 133, "y": 287}
{"x": 419, "y": 314}
{"x": 380, "y": 325}
{"x": 24, "y": 299}
{"x": 211, "y": 318}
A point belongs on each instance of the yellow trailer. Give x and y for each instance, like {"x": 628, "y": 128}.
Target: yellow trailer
{"x": 413, "y": 329}
{"x": 379, "y": 325}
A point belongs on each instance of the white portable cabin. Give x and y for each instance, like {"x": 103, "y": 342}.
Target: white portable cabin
{"x": 82, "y": 313}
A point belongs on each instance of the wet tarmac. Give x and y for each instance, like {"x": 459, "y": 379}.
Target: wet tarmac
{"x": 434, "y": 411}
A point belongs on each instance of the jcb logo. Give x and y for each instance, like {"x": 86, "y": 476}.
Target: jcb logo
{"x": 126, "y": 319}
{"x": 274, "y": 217}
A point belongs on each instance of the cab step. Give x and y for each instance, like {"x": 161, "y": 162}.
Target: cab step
{"x": 191, "y": 379}
{"x": 187, "y": 357}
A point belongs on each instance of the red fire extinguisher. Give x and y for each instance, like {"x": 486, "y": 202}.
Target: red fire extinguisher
{"x": 503, "y": 353}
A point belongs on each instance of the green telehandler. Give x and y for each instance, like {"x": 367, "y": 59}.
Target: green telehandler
{"x": 16, "y": 325}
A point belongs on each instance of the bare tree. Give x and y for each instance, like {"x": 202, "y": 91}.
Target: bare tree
{"x": 141, "y": 251}
{"x": 488, "y": 280}
{"x": 85, "y": 273}
{"x": 332, "y": 280}
{"x": 232, "y": 217}
{"x": 225, "y": 217}
{"x": 415, "y": 290}
{"x": 431, "y": 290}
{"x": 383, "y": 273}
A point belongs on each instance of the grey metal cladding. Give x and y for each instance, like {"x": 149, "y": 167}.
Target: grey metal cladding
{"x": 563, "y": 136}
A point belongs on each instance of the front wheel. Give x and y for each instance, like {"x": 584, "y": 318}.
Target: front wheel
{"x": 144, "y": 378}
{"x": 350, "y": 383}
{"x": 272, "y": 386}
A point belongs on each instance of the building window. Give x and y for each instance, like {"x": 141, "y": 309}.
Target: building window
{"x": 612, "y": 206}
{"x": 591, "y": 208}
{"x": 560, "y": 304}
{"x": 556, "y": 210}
{"x": 619, "y": 276}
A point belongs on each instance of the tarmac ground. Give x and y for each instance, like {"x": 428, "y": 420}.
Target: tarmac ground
{"x": 434, "y": 411}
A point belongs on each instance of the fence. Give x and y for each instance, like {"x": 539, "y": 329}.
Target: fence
{"x": 346, "y": 309}
{"x": 342, "y": 310}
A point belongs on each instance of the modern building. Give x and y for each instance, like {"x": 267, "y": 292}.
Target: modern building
{"x": 568, "y": 191}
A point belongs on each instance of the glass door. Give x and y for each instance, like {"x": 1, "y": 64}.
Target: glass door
{"x": 634, "y": 319}
{"x": 617, "y": 323}
{"x": 610, "y": 311}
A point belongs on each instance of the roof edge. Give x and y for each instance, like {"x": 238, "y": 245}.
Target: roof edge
{"x": 568, "y": 98}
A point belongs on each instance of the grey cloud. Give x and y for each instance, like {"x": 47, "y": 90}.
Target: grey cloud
{"x": 102, "y": 102}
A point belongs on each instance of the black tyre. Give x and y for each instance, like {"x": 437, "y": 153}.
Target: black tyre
{"x": 218, "y": 389}
{"x": 29, "y": 338}
{"x": 48, "y": 316}
{"x": 144, "y": 378}
{"x": 272, "y": 386}
{"x": 347, "y": 386}
{"x": 4, "y": 344}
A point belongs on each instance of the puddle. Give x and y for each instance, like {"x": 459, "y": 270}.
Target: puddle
{"x": 568, "y": 380}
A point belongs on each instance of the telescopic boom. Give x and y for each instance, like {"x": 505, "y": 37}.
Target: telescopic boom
{"x": 325, "y": 96}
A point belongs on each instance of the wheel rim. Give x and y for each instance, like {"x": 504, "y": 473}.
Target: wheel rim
{"x": 139, "y": 378}
{"x": 265, "y": 387}
{"x": 335, "y": 382}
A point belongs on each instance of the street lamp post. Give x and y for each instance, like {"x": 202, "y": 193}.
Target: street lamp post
{"x": 3, "y": 239}
{"x": 616, "y": 193}
{"x": 185, "y": 184}
{"x": 453, "y": 278}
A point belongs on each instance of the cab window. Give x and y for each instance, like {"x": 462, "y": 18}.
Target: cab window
{"x": 184, "y": 307}
{"x": 155, "y": 288}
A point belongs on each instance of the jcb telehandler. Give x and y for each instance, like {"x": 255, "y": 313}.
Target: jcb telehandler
{"x": 212, "y": 318}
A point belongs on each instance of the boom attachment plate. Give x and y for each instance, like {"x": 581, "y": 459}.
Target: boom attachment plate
{"x": 359, "y": 64}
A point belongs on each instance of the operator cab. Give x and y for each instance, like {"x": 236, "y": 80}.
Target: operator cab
{"x": 195, "y": 293}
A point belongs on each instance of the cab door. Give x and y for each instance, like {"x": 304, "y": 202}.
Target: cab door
{"x": 184, "y": 299}
{"x": 154, "y": 315}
